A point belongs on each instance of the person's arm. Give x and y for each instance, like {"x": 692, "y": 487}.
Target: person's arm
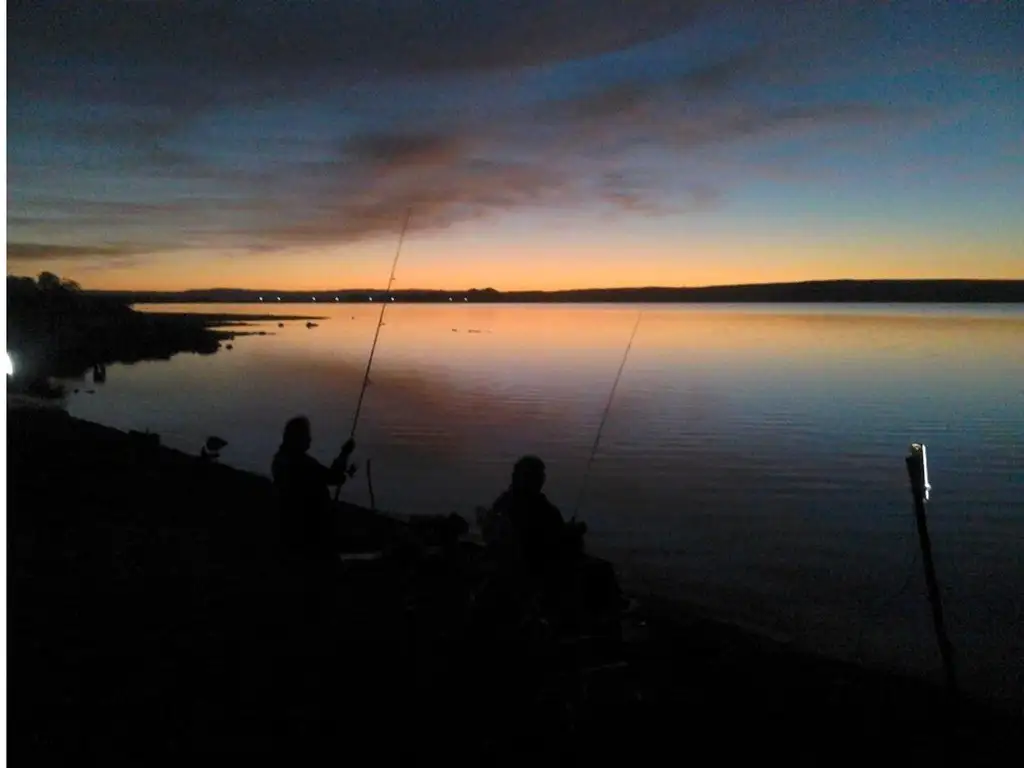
{"x": 492, "y": 519}
{"x": 553, "y": 520}
{"x": 564, "y": 532}
{"x": 337, "y": 473}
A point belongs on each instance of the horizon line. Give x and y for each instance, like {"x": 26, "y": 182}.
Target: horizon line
{"x": 566, "y": 290}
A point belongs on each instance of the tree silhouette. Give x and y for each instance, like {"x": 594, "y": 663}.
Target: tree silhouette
{"x": 47, "y": 281}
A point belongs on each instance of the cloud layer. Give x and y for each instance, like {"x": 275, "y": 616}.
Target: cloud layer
{"x": 250, "y": 38}
{"x": 142, "y": 125}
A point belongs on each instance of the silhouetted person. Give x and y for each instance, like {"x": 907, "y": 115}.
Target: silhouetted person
{"x": 309, "y": 526}
{"x": 539, "y": 554}
{"x": 530, "y": 524}
{"x": 534, "y": 547}
{"x": 308, "y": 619}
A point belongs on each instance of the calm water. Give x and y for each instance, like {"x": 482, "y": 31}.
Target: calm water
{"x": 752, "y": 461}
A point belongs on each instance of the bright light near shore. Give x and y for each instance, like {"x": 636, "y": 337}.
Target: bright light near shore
{"x": 10, "y": 365}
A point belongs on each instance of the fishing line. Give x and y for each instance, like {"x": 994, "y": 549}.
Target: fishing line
{"x": 604, "y": 417}
{"x": 874, "y": 613}
{"x": 376, "y": 334}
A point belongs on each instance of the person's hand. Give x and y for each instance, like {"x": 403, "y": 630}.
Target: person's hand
{"x": 577, "y": 527}
{"x": 348, "y": 447}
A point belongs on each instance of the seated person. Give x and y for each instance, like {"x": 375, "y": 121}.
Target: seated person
{"x": 524, "y": 519}
{"x": 538, "y": 553}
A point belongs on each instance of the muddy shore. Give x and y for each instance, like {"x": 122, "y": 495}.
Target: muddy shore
{"x": 148, "y": 622}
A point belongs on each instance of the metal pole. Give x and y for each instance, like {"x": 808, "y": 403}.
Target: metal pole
{"x": 917, "y": 469}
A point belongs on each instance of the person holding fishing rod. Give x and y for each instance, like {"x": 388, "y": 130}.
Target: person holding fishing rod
{"x": 540, "y": 533}
{"x": 309, "y": 529}
{"x": 540, "y": 558}
{"x": 540, "y": 553}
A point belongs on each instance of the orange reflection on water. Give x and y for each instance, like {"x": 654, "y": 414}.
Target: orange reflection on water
{"x": 541, "y": 335}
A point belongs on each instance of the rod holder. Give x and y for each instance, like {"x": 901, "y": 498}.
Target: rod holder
{"x": 917, "y": 470}
{"x": 917, "y": 466}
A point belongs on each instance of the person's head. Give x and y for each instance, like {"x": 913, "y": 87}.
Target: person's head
{"x": 297, "y": 435}
{"x": 528, "y": 475}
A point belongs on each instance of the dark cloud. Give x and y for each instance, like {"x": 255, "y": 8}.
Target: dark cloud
{"x": 631, "y": 97}
{"x": 365, "y": 201}
{"x": 261, "y": 43}
{"x": 405, "y": 149}
{"x": 467, "y": 172}
{"x": 53, "y": 251}
{"x": 457, "y": 177}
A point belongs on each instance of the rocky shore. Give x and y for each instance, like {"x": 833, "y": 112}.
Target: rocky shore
{"x": 149, "y": 622}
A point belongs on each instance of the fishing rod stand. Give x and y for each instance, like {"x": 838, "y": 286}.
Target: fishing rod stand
{"x": 920, "y": 486}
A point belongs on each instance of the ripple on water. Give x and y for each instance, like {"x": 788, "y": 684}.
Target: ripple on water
{"x": 752, "y": 460}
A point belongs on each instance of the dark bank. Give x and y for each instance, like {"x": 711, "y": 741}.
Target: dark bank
{"x": 57, "y": 330}
{"x": 149, "y": 621}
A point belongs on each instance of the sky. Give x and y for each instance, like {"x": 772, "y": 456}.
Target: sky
{"x": 173, "y": 144}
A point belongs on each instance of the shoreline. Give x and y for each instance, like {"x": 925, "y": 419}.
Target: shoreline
{"x": 57, "y": 331}
{"x": 225, "y": 319}
{"x": 853, "y": 291}
{"x": 196, "y": 531}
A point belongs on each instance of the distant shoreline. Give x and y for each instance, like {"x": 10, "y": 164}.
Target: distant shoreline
{"x": 225, "y": 320}
{"x": 821, "y": 291}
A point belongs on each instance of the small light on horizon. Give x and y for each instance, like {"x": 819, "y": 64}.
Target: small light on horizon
{"x": 314, "y": 298}
{"x": 10, "y": 365}
{"x": 278, "y": 298}
{"x": 465, "y": 298}
{"x": 392, "y": 298}
{"x": 261, "y": 298}
{"x": 450, "y": 298}
{"x": 336, "y": 298}
{"x": 371, "y": 298}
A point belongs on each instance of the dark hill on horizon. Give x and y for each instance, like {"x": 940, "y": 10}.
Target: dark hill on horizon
{"x": 878, "y": 291}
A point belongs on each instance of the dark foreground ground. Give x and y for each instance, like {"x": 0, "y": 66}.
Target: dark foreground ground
{"x": 148, "y": 623}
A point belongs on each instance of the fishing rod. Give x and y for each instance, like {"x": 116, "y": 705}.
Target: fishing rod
{"x": 376, "y": 334}
{"x": 604, "y": 417}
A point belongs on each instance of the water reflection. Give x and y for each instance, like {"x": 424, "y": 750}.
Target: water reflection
{"x": 752, "y": 460}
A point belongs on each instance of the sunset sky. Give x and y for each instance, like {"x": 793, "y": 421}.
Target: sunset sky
{"x": 165, "y": 144}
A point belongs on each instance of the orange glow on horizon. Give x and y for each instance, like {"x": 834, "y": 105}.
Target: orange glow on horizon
{"x": 506, "y": 267}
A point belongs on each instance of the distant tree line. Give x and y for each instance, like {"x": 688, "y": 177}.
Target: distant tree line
{"x": 822, "y": 291}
